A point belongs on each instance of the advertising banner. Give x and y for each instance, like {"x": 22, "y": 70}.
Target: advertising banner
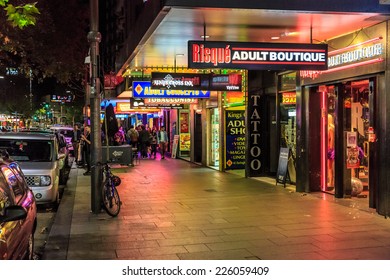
{"x": 184, "y": 130}
{"x": 179, "y": 81}
{"x": 189, "y": 81}
{"x": 142, "y": 89}
{"x": 256, "y": 143}
{"x": 235, "y": 140}
{"x": 229, "y": 82}
{"x": 257, "y": 56}
{"x": 61, "y": 98}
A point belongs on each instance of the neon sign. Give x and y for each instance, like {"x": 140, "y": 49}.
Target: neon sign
{"x": 257, "y": 56}
{"x": 364, "y": 53}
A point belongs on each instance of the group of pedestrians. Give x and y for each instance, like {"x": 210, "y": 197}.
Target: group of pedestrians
{"x": 147, "y": 140}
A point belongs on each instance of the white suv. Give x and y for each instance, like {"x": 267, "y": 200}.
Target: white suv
{"x": 40, "y": 160}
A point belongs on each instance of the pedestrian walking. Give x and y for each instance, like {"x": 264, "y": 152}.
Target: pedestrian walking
{"x": 153, "y": 142}
{"x": 144, "y": 139}
{"x": 132, "y": 135}
{"x": 162, "y": 140}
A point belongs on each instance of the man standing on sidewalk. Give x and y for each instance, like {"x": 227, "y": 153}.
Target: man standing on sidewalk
{"x": 86, "y": 138}
{"x": 162, "y": 140}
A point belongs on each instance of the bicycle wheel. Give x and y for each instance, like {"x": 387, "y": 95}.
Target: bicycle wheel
{"x": 111, "y": 200}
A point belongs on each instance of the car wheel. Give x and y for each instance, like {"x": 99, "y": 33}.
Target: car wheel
{"x": 62, "y": 179}
{"x": 56, "y": 203}
{"x": 30, "y": 248}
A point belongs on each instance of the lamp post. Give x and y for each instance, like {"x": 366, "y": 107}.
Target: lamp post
{"x": 94, "y": 38}
{"x": 174, "y": 63}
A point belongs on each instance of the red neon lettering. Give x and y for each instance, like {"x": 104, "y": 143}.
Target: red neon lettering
{"x": 200, "y": 54}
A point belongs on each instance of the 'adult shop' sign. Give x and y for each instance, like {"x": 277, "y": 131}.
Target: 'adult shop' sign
{"x": 257, "y": 56}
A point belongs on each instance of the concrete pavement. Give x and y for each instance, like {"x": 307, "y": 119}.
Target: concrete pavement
{"x": 173, "y": 209}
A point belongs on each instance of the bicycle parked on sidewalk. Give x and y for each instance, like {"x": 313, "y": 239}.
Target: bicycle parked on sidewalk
{"x": 110, "y": 196}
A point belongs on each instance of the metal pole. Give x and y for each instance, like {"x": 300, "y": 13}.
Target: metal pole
{"x": 94, "y": 38}
{"x": 31, "y": 95}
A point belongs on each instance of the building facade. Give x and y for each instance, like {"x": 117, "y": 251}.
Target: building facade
{"x": 333, "y": 121}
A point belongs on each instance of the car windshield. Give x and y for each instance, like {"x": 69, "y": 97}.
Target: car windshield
{"x": 28, "y": 150}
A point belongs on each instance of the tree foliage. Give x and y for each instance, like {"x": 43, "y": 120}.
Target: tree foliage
{"x": 49, "y": 37}
{"x": 21, "y": 15}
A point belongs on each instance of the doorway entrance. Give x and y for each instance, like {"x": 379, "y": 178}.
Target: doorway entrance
{"x": 348, "y": 106}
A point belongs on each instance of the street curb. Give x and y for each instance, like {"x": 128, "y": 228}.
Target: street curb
{"x": 58, "y": 240}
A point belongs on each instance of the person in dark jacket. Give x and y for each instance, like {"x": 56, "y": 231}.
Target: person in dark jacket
{"x": 144, "y": 140}
{"x": 86, "y": 138}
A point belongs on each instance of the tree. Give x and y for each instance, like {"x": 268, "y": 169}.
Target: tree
{"x": 53, "y": 45}
{"x": 21, "y": 15}
{"x": 49, "y": 44}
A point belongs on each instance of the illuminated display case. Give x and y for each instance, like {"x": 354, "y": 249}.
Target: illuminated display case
{"x": 215, "y": 132}
{"x": 287, "y": 105}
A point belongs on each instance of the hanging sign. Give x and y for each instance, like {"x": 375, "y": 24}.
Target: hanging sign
{"x": 142, "y": 89}
{"x": 189, "y": 81}
{"x": 257, "y": 56}
{"x": 228, "y": 82}
{"x": 180, "y": 81}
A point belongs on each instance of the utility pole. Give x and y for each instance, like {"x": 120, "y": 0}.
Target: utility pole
{"x": 94, "y": 38}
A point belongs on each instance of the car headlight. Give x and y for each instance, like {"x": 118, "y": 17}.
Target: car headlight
{"x": 45, "y": 180}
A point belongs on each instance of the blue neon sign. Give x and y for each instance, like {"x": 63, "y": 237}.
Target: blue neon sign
{"x": 142, "y": 89}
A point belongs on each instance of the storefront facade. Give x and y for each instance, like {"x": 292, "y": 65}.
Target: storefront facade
{"x": 342, "y": 123}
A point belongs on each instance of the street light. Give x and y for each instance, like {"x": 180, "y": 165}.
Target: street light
{"x": 174, "y": 64}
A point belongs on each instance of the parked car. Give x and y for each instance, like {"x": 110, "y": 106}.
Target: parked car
{"x": 18, "y": 213}
{"x": 40, "y": 160}
{"x": 67, "y": 132}
{"x": 62, "y": 148}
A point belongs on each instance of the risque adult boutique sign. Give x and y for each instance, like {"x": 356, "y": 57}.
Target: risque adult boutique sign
{"x": 190, "y": 81}
{"x": 257, "y": 56}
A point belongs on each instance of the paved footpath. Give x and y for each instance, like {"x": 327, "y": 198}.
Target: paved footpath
{"x": 173, "y": 209}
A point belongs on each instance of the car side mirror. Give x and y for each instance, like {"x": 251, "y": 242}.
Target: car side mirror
{"x": 13, "y": 213}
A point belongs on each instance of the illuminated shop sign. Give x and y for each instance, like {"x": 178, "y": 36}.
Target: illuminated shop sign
{"x": 124, "y": 107}
{"x": 188, "y": 81}
{"x": 364, "y": 53}
{"x": 182, "y": 81}
{"x": 257, "y": 56}
{"x": 61, "y": 98}
{"x": 355, "y": 53}
{"x": 289, "y": 98}
{"x": 235, "y": 140}
{"x": 153, "y": 102}
{"x": 170, "y": 101}
{"x": 229, "y": 82}
{"x": 142, "y": 89}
